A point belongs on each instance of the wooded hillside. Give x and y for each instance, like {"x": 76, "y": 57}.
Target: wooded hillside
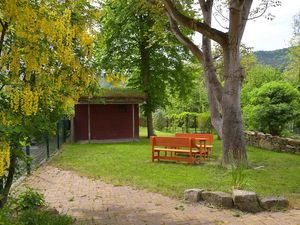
{"x": 276, "y": 58}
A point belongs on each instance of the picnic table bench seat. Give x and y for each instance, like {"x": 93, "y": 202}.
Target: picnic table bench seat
{"x": 174, "y": 149}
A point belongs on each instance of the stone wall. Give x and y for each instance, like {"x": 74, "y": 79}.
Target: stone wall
{"x": 274, "y": 143}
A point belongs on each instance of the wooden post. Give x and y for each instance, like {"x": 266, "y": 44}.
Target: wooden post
{"x": 89, "y": 122}
{"x": 133, "y": 123}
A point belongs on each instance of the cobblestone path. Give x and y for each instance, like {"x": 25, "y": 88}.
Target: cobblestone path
{"x": 94, "y": 202}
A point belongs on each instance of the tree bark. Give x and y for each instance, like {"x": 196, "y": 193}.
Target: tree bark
{"x": 8, "y": 181}
{"x": 233, "y": 145}
{"x": 213, "y": 85}
{"x": 145, "y": 73}
{"x": 150, "y": 131}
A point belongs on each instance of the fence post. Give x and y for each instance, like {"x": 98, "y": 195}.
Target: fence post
{"x": 47, "y": 147}
{"x": 57, "y": 135}
{"x": 28, "y": 163}
{"x": 64, "y": 130}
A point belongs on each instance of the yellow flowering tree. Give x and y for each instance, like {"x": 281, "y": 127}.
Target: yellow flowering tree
{"x": 45, "y": 54}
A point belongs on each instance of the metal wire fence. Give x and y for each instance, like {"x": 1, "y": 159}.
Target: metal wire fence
{"x": 41, "y": 151}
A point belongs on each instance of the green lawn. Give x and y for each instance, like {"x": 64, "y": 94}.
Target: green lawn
{"x": 130, "y": 164}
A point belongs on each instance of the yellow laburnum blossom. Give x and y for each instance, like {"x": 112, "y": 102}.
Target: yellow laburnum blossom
{"x": 4, "y": 120}
{"x": 43, "y": 54}
{"x": 24, "y": 101}
{"x": 4, "y": 157}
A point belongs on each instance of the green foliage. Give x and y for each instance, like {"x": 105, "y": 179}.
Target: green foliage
{"x": 29, "y": 209}
{"x": 159, "y": 120}
{"x": 204, "y": 122}
{"x": 135, "y": 41}
{"x": 271, "y": 107}
{"x": 33, "y": 217}
{"x": 256, "y": 76}
{"x": 238, "y": 175}
{"x": 292, "y": 72}
{"x": 8, "y": 216}
{"x": 30, "y": 199}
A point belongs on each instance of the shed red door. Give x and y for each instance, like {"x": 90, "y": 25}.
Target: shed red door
{"x": 111, "y": 121}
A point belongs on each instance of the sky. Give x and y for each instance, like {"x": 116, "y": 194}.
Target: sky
{"x": 263, "y": 34}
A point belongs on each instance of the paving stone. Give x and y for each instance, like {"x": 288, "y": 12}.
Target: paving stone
{"x": 274, "y": 203}
{"x": 246, "y": 201}
{"x": 218, "y": 198}
{"x": 193, "y": 195}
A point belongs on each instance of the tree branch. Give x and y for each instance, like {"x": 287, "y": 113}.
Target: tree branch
{"x": 3, "y": 32}
{"x": 195, "y": 25}
{"x": 185, "y": 40}
{"x": 239, "y": 12}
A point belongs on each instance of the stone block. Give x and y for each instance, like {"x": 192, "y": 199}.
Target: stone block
{"x": 193, "y": 195}
{"x": 218, "y": 198}
{"x": 246, "y": 201}
{"x": 274, "y": 203}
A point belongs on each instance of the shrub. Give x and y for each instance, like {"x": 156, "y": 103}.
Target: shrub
{"x": 159, "y": 120}
{"x": 271, "y": 107}
{"x": 33, "y": 217}
{"x": 205, "y": 122}
{"x": 30, "y": 200}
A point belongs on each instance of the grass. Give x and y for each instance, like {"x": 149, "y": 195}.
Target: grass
{"x": 271, "y": 173}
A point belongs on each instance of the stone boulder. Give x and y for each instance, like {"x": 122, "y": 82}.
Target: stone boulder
{"x": 274, "y": 203}
{"x": 218, "y": 198}
{"x": 246, "y": 201}
{"x": 193, "y": 195}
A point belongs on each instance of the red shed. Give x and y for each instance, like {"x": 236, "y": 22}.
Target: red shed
{"x": 109, "y": 118}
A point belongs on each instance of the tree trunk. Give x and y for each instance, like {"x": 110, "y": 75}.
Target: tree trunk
{"x": 149, "y": 125}
{"x": 233, "y": 145}
{"x": 145, "y": 73}
{"x": 8, "y": 181}
{"x": 213, "y": 86}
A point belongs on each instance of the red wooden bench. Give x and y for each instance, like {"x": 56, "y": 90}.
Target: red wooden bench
{"x": 209, "y": 139}
{"x": 174, "y": 148}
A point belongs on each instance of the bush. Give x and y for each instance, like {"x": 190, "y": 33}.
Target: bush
{"x": 31, "y": 210}
{"x": 205, "y": 122}
{"x": 159, "y": 120}
{"x": 33, "y": 217}
{"x": 271, "y": 107}
{"x": 30, "y": 200}
{"x": 7, "y": 217}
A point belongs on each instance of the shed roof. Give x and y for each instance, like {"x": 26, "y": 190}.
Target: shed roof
{"x": 115, "y": 96}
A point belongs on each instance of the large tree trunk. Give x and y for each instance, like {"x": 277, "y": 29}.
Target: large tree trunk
{"x": 145, "y": 73}
{"x": 233, "y": 145}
